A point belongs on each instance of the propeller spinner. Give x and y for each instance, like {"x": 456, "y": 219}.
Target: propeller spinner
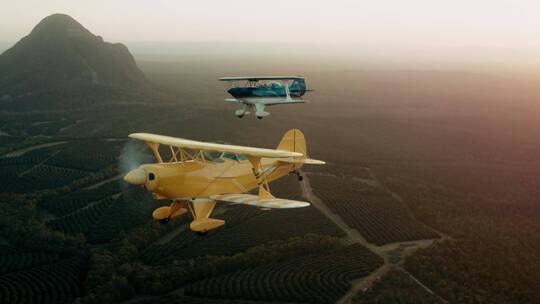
{"x": 136, "y": 177}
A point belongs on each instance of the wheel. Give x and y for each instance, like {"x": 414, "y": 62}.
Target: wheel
{"x": 202, "y": 233}
{"x": 164, "y": 221}
{"x": 240, "y": 116}
{"x": 300, "y": 178}
{"x": 259, "y": 117}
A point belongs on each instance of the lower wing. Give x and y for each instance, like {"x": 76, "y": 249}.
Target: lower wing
{"x": 233, "y": 100}
{"x": 254, "y": 200}
{"x": 285, "y": 101}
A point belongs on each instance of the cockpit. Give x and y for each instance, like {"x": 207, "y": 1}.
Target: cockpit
{"x": 237, "y": 157}
{"x": 218, "y": 157}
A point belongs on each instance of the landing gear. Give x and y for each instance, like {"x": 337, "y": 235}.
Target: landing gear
{"x": 300, "y": 177}
{"x": 165, "y": 220}
{"x": 241, "y": 112}
{"x": 259, "y": 117}
{"x": 202, "y": 233}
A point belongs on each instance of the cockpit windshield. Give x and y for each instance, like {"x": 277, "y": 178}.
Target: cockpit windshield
{"x": 213, "y": 156}
{"x": 237, "y": 157}
{"x": 218, "y": 157}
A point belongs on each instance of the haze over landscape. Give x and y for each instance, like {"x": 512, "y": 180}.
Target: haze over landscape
{"x": 425, "y": 112}
{"x": 454, "y": 34}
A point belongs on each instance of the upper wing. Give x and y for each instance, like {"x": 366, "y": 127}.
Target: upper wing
{"x": 261, "y": 78}
{"x": 199, "y": 145}
{"x": 254, "y": 200}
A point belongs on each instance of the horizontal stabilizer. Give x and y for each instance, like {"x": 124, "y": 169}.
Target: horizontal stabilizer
{"x": 305, "y": 161}
{"x": 254, "y": 200}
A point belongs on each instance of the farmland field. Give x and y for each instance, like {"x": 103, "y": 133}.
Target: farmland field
{"x": 320, "y": 278}
{"x": 365, "y": 206}
{"x": 403, "y": 169}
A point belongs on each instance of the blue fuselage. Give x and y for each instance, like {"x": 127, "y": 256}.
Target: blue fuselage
{"x": 296, "y": 89}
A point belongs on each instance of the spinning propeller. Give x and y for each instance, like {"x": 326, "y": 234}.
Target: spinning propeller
{"x": 134, "y": 154}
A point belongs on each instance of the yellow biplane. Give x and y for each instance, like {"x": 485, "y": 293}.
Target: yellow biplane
{"x": 197, "y": 174}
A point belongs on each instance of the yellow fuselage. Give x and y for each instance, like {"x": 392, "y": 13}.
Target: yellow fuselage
{"x": 201, "y": 179}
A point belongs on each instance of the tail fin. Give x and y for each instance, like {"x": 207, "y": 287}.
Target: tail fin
{"x": 293, "y": 141}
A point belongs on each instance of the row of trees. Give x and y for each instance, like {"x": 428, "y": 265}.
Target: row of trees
{"x": 83, "y": 220}
{"x": 380, "y": 218}
{"x": 320, "y": 277}
{"x": 53, "y": 283}
{"x": 73, "y": 201}
{"x": 396, "y": 286}
{"x": 493, "y": 256}
{"x": 109, "y": 270}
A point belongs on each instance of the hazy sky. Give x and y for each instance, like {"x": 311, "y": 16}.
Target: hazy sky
{"x": 413, "y": 23}
{"x": 481, "y": 33}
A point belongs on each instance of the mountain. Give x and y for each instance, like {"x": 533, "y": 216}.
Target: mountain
{"x": 60, "y": 58}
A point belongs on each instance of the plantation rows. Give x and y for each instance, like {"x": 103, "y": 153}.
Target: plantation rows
{"x": 87, "y": 155}
{"x": 287, "y": 187}
{"x": 178, "y": 299}
{"x": 9, "y": 178}
{"x": 61, "y": 175}
{"x": 376, "y": 215}
{"x": 123, "y": 215}
{"x": 82, "y": 220}
{"x": 102, "y": 220}
{"x": 317, "y": 278}
{"x": 16, "y": 261}
{"x": 13, "y": 167}
{"x": 268, "y": 226}
{"x": 27, "y": 159}
{"x": 48, "y": 127}
{"x": 245, "y": 227}
{"x": 56, "y": 166}
{"x": 21, "y": 178}
{"x": 384, "y": 291}
{"x": 339, "y": 170}
{"x": 62, "y": 205}
{"x": 33, "y": 156}
{"x": 8, "y": 140}
{"x": 8, "y": 249}
{"x": 185, "y": 239}
{"x": 53, "y": 283}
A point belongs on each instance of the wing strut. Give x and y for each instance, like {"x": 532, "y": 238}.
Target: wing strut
{"x": 264, "y": 189}
{"x": 287, "y": 92}
{"x": 154, "y": 147}
{"x": 259, "y": 110}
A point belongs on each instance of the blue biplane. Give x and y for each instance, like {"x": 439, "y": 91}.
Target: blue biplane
{"x": 262, "y": 91}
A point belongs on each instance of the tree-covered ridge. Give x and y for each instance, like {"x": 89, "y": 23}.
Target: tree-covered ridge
{"x": 60, "y": 57}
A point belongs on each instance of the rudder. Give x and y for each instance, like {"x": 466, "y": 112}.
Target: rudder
{"x": 293, "y": 141}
